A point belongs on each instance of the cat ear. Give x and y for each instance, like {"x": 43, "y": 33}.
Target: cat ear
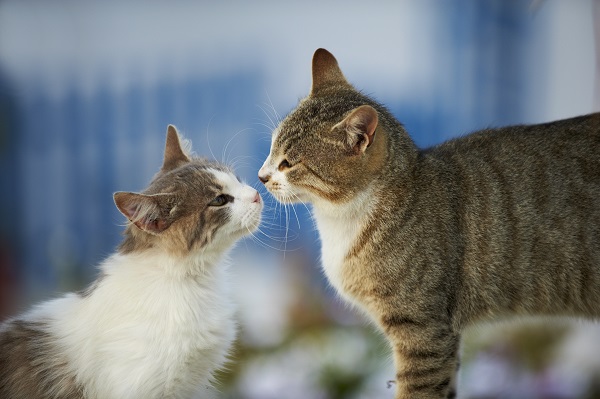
{"x": 360, "y": 127}
{"x": 150, "y": 213}
{"x": 174, "y": 154}
{"x": 325, "y": 71}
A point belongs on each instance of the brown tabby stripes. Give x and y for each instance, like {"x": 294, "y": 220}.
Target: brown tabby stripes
{"x": 498, "y": 223}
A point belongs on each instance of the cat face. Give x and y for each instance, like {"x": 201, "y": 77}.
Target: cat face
{"x": 325, "y": 151}
{"x": 192, "y": 204}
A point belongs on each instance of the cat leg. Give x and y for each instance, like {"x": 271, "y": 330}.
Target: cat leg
{"x": 426, "y": 359}
{"x": 452, "y": 392}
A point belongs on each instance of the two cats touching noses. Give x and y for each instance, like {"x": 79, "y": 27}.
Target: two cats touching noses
{"x": 499, "y": 223}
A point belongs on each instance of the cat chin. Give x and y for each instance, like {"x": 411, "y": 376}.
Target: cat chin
{"x": 251, "y": 228}
{"x": 244, "y": 231}
{"x": 251, "y": 222}
{"x": 240, "y": 232}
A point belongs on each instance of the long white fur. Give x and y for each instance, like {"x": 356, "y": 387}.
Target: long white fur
{"x": 132, "y": 337}
{"x": 339, "y": 227}
{"x": 156, "y": 325}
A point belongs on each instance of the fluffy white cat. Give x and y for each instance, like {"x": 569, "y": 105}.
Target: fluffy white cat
{"x": 158, "y": 320}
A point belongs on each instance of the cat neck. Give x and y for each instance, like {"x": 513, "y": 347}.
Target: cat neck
{"x": 355, "y": 209}
{"x": 340, "y": 224}
{"x": 160, "y": 262}
{"x": 339, "y": 227}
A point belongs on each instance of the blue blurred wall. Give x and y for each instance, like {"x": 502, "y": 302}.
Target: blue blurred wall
{"x": 62, "y": 157}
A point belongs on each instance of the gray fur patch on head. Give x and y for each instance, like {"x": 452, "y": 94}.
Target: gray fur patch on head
{"x": 187, "y": 221}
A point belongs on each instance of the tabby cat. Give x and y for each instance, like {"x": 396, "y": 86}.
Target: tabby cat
{"x": 158, "y": 321}
{"x": 500, "y": 222}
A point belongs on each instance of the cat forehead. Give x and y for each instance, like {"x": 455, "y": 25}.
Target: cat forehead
{"x": 314, "y": 115}
{"x": 224, "y": 177}
{"x": 294, "y": 130}
{"x": 196, "y": 175}
{"x": 301, "y": 136}
{"x": 201, "y": 169}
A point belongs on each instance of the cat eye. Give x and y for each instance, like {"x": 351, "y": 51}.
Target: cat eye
{"x": 284, "y": 165}
{"x": 221, "y": 200}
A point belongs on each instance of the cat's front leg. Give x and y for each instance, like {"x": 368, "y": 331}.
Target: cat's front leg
{"x": 426, "y": 359}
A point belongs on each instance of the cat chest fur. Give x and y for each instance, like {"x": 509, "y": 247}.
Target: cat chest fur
{"x": 337, "y": 238}
{"x": 159, "y": 335}
{"x": 339, "y": 231}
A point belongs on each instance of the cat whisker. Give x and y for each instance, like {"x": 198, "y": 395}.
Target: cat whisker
{"x": 224, "y": 156}
{"x": 268, "y": 132}
{"x": 266, "y": 195}
{"x": 286, "y": 205}
{"x": 273, "y": 205}
{"x": 287, "y": 227}
{"x": 212, "y": 154}
{"x": 273, "y": 228}
{"x": 277, "y": 116}
{"x": 247, "y": 159}
{"x": 301, "y": 202}
{"x": 263, "y": 243}
{"x": 239, "y": 164}
{"x": 296, "y": 214}
{"x": 270, "y": 225}
{"x": 268, "y": 126}
{"x": 273, "y": 124}
{"x": 277, "y": 209}
{"x": 123, "y": 224}
{"x": 277, "y": 238}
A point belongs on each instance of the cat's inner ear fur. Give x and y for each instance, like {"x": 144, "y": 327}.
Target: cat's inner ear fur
{"x": 325, "y": 71}
{"x": 360, "y": 126}
{"x": 174, "y": 153}
{"x": 150, "y": 213}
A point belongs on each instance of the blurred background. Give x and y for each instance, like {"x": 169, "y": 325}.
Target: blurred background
{"x": 87, "y": 90}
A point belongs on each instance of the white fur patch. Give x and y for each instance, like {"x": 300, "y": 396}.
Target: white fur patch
{"x": 339, "y": 226}
{"x": 245, "y": 212}
{"x": 145, "y": 332}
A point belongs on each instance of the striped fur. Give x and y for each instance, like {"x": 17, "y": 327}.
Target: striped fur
{"x": 31, "y": 366}
{"x": 158, "y": 321}
{"x": 498, "y": 223}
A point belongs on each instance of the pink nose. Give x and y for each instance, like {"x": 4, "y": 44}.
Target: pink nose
{"x": 256, "y": 198}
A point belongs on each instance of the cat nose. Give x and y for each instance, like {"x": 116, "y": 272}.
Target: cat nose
{"x": 256, "y": 198}
{"x": 263, "y": 176}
